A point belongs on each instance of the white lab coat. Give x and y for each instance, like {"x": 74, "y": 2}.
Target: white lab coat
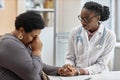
{"x": 86, "y": 54}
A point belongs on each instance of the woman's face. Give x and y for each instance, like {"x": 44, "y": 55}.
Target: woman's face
{"x": 88, "y": 19}
{"x": 29, "y": 37}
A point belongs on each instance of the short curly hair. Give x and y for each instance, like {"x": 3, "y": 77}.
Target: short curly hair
{"x": 30, "y": 21}
{"x": 99, "y": 10}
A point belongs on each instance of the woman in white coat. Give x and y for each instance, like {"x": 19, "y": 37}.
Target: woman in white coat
{"x": 91, "y": 45}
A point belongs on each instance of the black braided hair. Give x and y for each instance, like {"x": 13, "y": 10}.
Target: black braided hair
{"x": 99, "y": 10}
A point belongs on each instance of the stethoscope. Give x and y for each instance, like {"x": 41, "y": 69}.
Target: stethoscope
{"x": 100, "y": 43}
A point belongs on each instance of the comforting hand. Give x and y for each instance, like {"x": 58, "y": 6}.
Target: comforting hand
{"x": 83, "y": 72}
{"x": 67, "y": 70}
{"x": 36, "y": 46}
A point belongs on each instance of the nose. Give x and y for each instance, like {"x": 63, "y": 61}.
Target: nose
{"x": 83, "y": 22}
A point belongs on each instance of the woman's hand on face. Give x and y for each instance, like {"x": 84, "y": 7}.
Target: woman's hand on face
{"x": 67, "y": 70}
{"x": 36, "y": 46}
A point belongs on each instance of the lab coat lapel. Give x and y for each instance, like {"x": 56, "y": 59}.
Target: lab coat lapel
{"x": 86, "y": 48}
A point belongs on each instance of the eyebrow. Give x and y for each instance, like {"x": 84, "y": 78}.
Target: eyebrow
{"x": 84, "y": 16}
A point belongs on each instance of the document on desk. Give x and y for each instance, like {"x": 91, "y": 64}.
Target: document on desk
{"x": 70, "y": 78}
{"x": 113, "y": 75}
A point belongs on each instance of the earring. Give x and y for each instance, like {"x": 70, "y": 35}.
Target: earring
{"x": 20, "y": 36}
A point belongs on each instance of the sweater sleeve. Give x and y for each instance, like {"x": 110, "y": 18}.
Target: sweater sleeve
{"x": 50, "y": 70}
{"x": 17, "y": 59}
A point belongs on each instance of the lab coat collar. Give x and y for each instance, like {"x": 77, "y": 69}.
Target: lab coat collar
{"x": 100, "y": 29}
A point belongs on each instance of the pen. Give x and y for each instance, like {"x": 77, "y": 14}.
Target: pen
{"x": 88, "y": 78}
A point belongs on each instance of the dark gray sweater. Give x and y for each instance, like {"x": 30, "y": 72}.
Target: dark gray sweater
{"x": 18, "y": 63}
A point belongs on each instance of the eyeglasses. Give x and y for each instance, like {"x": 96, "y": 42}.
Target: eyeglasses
{"x": 86, "y": 20}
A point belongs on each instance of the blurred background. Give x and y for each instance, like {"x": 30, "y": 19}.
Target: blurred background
{"x": 60, "y": 17}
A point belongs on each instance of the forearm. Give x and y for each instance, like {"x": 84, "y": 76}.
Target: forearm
{"x": 100, "y": 65}
{"x": 50, "y": 70}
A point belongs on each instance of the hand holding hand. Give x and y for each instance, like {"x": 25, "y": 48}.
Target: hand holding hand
{"x": 67, "y": 70}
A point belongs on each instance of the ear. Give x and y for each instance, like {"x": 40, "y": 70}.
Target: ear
{"x": 98, "y": 18}
{"x": 21, "y": 30}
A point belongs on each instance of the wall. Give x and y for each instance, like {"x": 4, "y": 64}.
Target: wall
{"x": 67, "y": 12}
{"x": 7, "y": 16}
{"x": 67, "y": 15}
{"x": 117, "y": 31}
{"x": 47, "y": 36}
{"x": 21, "y": 6}
{"x": 116, "y": 66}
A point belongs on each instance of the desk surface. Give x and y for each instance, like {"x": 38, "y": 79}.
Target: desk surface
{"x": 113, "y": 75}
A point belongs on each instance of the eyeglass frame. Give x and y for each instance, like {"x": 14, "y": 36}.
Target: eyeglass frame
{"x": 86, "y": 20}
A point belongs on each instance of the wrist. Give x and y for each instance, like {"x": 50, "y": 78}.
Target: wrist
{"x": 36, "y": 52}
{"x": 78, "y": 72}
{"x": 84, "y": 71}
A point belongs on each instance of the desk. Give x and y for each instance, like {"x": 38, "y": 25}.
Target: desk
{"x": 113, "y": 75}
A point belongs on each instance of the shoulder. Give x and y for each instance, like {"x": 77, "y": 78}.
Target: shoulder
{"x": 10, "y": 41}
{"x": 75, "y": 30}
{"x": 110, "y": 33}
{"x": 110, "y": 36}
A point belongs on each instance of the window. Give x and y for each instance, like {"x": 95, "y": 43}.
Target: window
{"x": 1, "y": 4}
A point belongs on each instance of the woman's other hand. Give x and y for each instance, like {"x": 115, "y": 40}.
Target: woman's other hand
{"x": 36, "y": 46}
